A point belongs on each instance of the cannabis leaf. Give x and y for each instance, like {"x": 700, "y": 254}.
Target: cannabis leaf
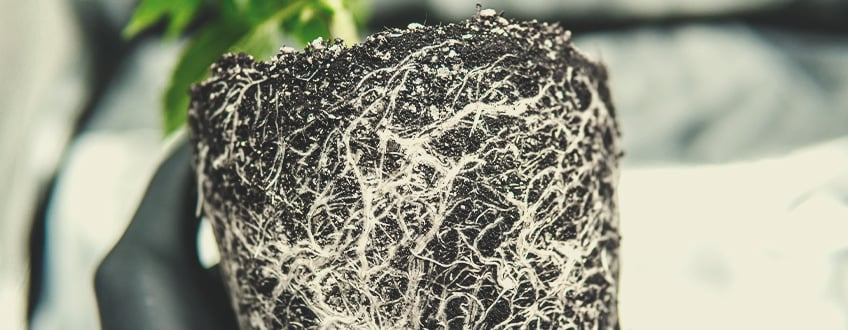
{"x": 255, "y": 27}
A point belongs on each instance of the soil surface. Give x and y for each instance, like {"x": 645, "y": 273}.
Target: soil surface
{"x": 455, "y": 176}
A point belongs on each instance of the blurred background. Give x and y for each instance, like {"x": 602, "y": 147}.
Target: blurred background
{"x": 733, "y": 191}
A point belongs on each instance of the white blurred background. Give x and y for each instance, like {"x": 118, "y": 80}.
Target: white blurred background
{"x": 733, "y": 192}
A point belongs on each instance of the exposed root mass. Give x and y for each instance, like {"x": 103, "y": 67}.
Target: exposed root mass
{"x": 459, "y": 176}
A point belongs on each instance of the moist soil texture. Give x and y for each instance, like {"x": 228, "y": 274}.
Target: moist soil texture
{"x": 442, "y": 177}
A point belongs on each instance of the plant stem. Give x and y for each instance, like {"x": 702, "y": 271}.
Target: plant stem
{"x": 342, "y": 24}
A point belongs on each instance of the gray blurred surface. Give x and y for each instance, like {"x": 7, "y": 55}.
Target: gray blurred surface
{"x": 722, "y": 92}
{"x": 43, "y": 87}
{"x": 453, "y": 9}
{"x": 100, "y": 185}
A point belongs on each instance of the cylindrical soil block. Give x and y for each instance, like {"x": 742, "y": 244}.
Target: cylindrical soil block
{"x": 456, "y": 176}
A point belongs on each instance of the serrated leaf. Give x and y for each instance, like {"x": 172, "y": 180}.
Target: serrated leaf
{"x": 150, "y": 12}
{"x": 193, "y": 66}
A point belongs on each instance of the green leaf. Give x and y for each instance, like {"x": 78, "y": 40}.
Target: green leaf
{"x": 150, "y": 12}
{"x": 229, "y": 10}
{"x": 310, "y": 24}
{"x": 258, "y": 12}
{"x": 262, "y": 42}
{"x": 193, "y": 66}
{"x": 265, "y": 38}
{"x": 255, "y": 27}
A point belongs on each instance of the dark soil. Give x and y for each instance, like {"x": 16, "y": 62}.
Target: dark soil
{"x": 456, "y": 176}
